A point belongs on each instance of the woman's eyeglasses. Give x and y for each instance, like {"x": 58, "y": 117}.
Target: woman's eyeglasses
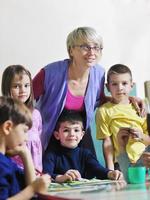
{"x": 87, "y": 48}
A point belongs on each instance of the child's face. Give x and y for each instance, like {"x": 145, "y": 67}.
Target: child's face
{"x": 120, "y": 86}
{"x": 20, "y": 87}
{"x": 70, "y": 134}
{"x": 17, "y": 136}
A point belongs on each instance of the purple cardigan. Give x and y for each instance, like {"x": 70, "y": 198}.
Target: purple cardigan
{"x": 52, "y": 102}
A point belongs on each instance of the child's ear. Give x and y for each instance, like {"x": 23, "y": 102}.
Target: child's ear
{"x": 132, "y": 84}
{"x": 56, "y": 134}
{"x": 83, "y": 132}
{"x": 107, "y": 86}
{"x": 7, "y": 126}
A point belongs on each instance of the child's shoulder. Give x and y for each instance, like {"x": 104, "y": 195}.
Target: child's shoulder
{"x": 36, "y": 114}
{"x": 84, "y": 151}
{"x": 106, "y": 105}
{"x": 5, "y": 162}
{"x": 36, "y": 119}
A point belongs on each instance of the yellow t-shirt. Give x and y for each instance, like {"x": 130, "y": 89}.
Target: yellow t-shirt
{"x": 110, "y": 117}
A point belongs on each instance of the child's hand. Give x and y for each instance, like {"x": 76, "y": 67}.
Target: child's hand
{"x": 146, "y": 159}
{"x": 70, "y": 175}
{"x": 41, "y": 184}
{"x": 136, "y": 134}
{"x": 18, "y": 150}
{"x": 123, "y": 137}
{"x": 115, "y": 175}
{"x": 119, "y": 185}
{"x": 73, "y": 174}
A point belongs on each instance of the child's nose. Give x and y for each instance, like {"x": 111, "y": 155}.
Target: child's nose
{"x": 120, "y": 86}
{"x": 71, "y": 132}
{"x": 21, "y": 89}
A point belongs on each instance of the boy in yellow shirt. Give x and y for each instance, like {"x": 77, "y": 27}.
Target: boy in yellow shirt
{"x": 120, "y": 115}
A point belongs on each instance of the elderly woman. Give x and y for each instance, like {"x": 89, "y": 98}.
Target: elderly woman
{"x": 76, "y": 83}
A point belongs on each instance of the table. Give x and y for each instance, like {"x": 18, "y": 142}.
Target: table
{"x": 106, "y": 191}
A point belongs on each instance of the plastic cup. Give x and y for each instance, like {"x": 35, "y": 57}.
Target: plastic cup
{"x": 136, "y": 174}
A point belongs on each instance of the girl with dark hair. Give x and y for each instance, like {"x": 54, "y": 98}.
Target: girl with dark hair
{"x": 17, "y": 83}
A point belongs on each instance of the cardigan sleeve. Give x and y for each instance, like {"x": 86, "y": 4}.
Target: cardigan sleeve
{"x": 38, "y": 84}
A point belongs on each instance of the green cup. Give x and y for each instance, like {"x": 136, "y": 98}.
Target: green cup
{"x": 136, "y": 174}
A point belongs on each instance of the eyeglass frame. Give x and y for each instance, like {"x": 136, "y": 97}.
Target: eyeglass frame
{"x": 87, "y": 48}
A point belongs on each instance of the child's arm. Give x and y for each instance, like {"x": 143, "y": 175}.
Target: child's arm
{"x": 108, "y": 153}
{"x": 29, "y": 169}
{"x": 33, "y": 186}
{"x": 25, "y": 155}
{"x": 103, "y": 132}
{"x": 40, "y": 185}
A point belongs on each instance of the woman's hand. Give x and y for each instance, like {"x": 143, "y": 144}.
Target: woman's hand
{"x": 139, "y": 106}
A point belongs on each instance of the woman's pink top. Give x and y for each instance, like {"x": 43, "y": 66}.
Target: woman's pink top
{"x": 74, "y": 102}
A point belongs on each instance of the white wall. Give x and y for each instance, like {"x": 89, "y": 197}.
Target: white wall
{"x": 33, "y": 32}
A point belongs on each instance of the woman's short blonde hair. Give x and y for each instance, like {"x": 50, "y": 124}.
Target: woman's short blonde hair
{"x": 83, "y": 34}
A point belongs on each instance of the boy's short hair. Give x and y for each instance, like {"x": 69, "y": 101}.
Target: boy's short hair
{"x": 118, "y": 69}
{"x": 14, "y": 110}
{"x": 70, "y": 116}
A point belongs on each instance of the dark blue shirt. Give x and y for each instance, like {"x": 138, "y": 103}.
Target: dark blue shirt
{"x": 11, "y": 178}
{"x": 58, "y": 160}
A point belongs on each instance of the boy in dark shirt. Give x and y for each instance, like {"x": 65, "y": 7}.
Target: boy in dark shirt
{"x": 66, "y": 161}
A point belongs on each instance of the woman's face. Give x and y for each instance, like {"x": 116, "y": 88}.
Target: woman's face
{"x": 86, "y": 54}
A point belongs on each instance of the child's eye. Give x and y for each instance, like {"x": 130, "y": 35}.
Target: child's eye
{"x": 65, "y": 130}
{"x": 114, "y": 84}
{"x": 76, "y": 130}
{"x": 27, "y": 85}
{"x": 125, "y": 83}
{"x": 15, "y": 86}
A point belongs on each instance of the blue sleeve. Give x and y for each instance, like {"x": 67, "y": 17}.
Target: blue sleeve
{"x": 20, "y": 177}
{"x": 94, "y": 168}
{"x": 49, "y": 161}
{"x": 4, "y": 186}
{"x": 11, "y": 180}
{"x": 100, "y": 79}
